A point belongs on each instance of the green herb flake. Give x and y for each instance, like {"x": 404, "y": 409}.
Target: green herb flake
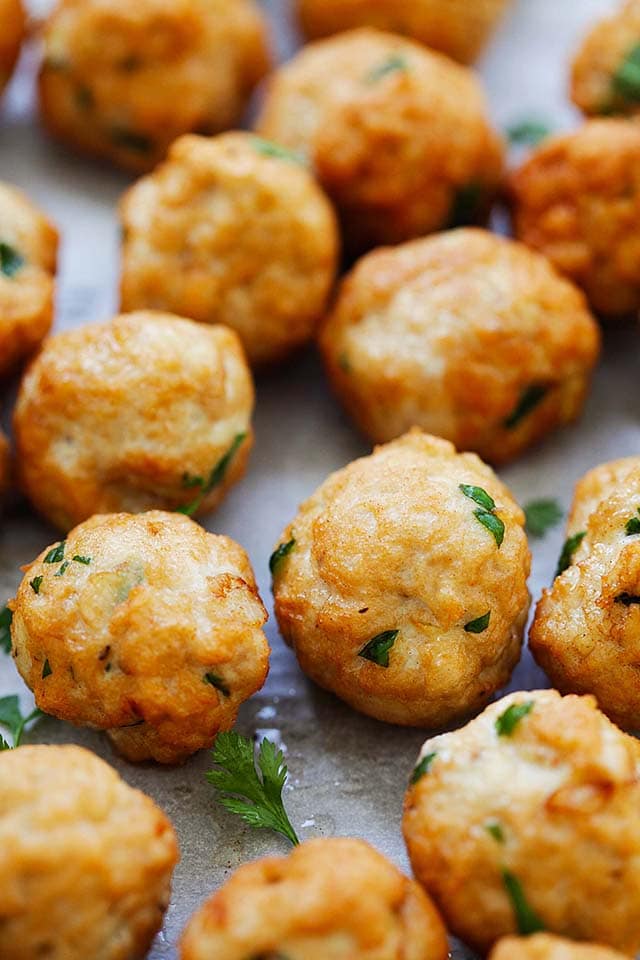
{"x": 78, "y": 559}
{"x": 277, "y": 152}
{"x": 215, "y": 477}
{"x": 218, "y": 683}
{"x": 131, "y": 140}
{"x": 6, "y": 616}
{"x": 12, "y": 718}
{"x": 479, "y": 496}
{"x": 189, "y": 481}
{"x": 279, "y": 555}
{"x": 494, "y": 524}
{"x": 36, "y": 583}
{"x": 377, "y": 649}
{"x": 542, "y": 515}
{"x": 527, "y": 132}
{"x": 62, "y": 569}
{"x": 530, "y": 398}
{"x": 422, "y": 768}
{"x": 627, "y": 599}
{"x": 393, "y": 64}
{"x": 632, "y": 526}
{"x": 626, "y": 79}
{"x": 11, "y": 262}
{"x": 257, "y": 799}
{"x": 495, "y": 830}
{"x": 479, "y": 625}
{"x": 56, "y": 554}
{"x": 466, "y": 206}
{"x": 46, "y": 670}
{"x": 527, "y": 920}
{"x": 571, "y": 544}
{"x": 509, "y": 720}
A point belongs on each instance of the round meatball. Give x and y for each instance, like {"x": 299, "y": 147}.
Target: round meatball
{"x": 605, "y": 75}
{"x": 28, "y": 252}
{"x": 397, "y": 134}
{"x": 577, "y": 200}
{"x": 143, "y": 625}
{"x": 148, "y": 410}
{"x": 401, "y": 583}
{"x": 122, "y": 80}
{"x": 456, "y": 27}
{"x": 525, "y": 816}
{"x": 586, "y": 631}
{"x": 85, "y": 860}
{"x": 301, "y": 906}
{"x": 471, "y": 336}
{"x": 13, "y": 22}
{"x": 232, "y": 230}
{"x": 544, "y": 946}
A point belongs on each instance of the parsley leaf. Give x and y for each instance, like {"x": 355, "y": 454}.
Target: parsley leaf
{"x": 56, "y": 554}
{"x": 530, "y": 398}
{"x": 542, "y": 515}
{"x": 46, "y": 669}
{"x": 391, "y": 65}
{"x": 258, "y": 800}
{"x": 78, "y": 559}
{"x": 493, "y": 524}
{"x": 11, "y": 717}
{"x": 215, "y": 477}
{"x": 422, "y": 767}
{"x": 528, "y": 132}
{"x": 479, "y": 625}
{"x": 494, "y": 829}
{"x": 479, "y": 496}
{"x": 571, "y": 544}
{"x": 6, "y": 616}
{"x": 10, "y": 260}
{"x": 626, "y": 79}
{"x": 485, "y": 514}
{"x": 269, "y": 149}
{"x": 36, "y": 583}
{"x": 217, "y": 682}
{"x": 509, "y": 720}
{"x": 527, "y": 919}
{"x": 632, "y": 526}
{"x": 377, "y": 649}
{"x": 279, "y": 555}
{"x": 62, "y": 569}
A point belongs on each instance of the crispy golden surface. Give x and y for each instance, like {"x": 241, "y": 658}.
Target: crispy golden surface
{"x": 12, "y": 19}
{"x": 544, "y": 946}
{"x": 599, "y": 81}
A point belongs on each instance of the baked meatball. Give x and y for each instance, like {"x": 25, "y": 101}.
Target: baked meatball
{"x": 527, "y": 819}
{"x": 586, "y": 631}
{"x": 28, "y": 251}
{"x": 544, "y": 946}
{"x": 401, "y": 583}
{"x": 577, "y": 200}
{"x": 147, "y": 410}
{"x": 12, "y": 20}
{"x": 85, "y": 860}
{"x": 605, "y": 75}
{"x": 455, "y": 27}
{"x": 397, "y": 134}
{"x": 122, "y": 80}
{"x": 303, "y": 908}
{"x": 143, "y": 625}
{"x": 471, "y": 336}
{"x": 232, "y": 230}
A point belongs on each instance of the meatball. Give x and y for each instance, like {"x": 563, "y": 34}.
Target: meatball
{"x": 148, "y": 410}
{"x": 455, "y": 27}
{"x": 143, "y": 625}
{"x": 577, "y": 200}
{"x": 122, "y": 80}
{"x": 232, "y": 230}
{"x": 605, "y": 75}
{"x": 471, "y": 336}
{"x": 401, "y": 583}
{"x": 301, "y": 906}
{"x": 85, "y": 860}
{"x": 13, "y": 22}
{"x": 543, "y": 946}
{"x": 527, "y": 818}
{"x": 28, "y": 252}
{"x": 586, "y": 631}
{"x": 397, "y": 134}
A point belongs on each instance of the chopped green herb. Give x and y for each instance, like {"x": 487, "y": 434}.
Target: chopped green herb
{"x": 258, "y": 800}
{"x": 479, "y": 625}
{"x": 493, "y": 524}
{"x": 392, "y": 64}
{"x": 494, "y": 829}
{"x": 269, "y": 149}
{"x": 279, "y": 555}
{"x": 530, "y": 398}
{"x": 479, "y": 496}
{"x": 509, "y": 720}
{"x": 36, "y": 583}
{"x": 46, "y": 670}
{"x": 218, "y": 683}
{"x": 377, "y": 649}
{"x": 11, "y": 717}
{"x": 6, "y": 616}
{"x": 79, "y": 559}
{"x": 189, "y": 481}
{"x": 632, "y": 526}
{"x": 422, "y": 767}
{"x": 571, "y": 544}
{"x": 215, "y": 477}
{"x": 542, "y": 515}
{"x": 130, "y": 140}
{"x": 56, "y": 554}
{"x": 527, "y": 919}
{"x": 626, "y": 79}
{"x": 528, "y": 132}
{"x": 62, "y": 569}
{"x": 467, "y": 205}
{"x": 10, "y": 260}
{"x": 627, "y": 599}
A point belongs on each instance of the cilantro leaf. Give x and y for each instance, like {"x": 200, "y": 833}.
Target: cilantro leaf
{"x": 11, "y": 717}
{"x": 530, "y": 398}
{"x": 422, "y": 767}
{"x": 509, "y": 720}
{"x": 479, "y": 625}
{"x": 377, "y": 649}
{"x": 527, "y": 919}
{"x": 479, "y": 496}
{"x": 36, "y": 583}
{"x": 626, "y": 79}
{"x": 258, "y": 800}
{"x": 542, "y": 515}
{"x": 571, "y": 544}
{"x": 10, "y": 260}
{"x": 215, "y": 477}
{"x": 392, "y": 64}
{"x": 279, "y": 555}
{"x": 495, "y": 830}
{"x": 218, "y": 683}
{"x": 6, "y": 616}
{"x": 494, "y": 524}
{"x": 56, "y": 554}
{"x": 528, "y": 132}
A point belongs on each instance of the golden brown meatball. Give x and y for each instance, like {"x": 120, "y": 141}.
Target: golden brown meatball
{"x": 28, "y": 251}
{"x": 232, "y": 230}
{"x": 544, "y": 946}
{"x": 12, "y": 30}
{"x": 123, "y": 79}
{"x": 148, "y": 410}
{"x": 577, "y": 200}
{"x": 143, "y": 625}
{"x": 401, "y": 583}
{"x": 397, "y": 134}
{"x": 606, "y": 70}
{"x": 85, "y": 860}
{"x": 527, "y": 818}
{"x": 470, "y": 336}
{"x": 455, "y": 27}
{"x": 586, "y": 631}
{"x": 330, "y": 899}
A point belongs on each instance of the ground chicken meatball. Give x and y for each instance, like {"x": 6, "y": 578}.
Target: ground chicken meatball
{"x": 401, "y": 583}
{"x": 85, "y": 860}
{"x": 606, "y": 71}
{"x": 577, "y": 200}
{"x": 28, "y": 251}
{"x": 527, "y": 819}
{"x": 471, "y": 336}
{"x": 397, "y": 134}
{"x": 544, "y": 946}
{"x": 302, "y": 908}
{"x": 232, "y": 230}
{"x": 455, "y": 27}
{"x": 586, "y": 631}
{"x": 144, "y": 625}
{"x": 122, "y": 80}
{"x": 148, "y": 410}
{"x": 12, "y": 30}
